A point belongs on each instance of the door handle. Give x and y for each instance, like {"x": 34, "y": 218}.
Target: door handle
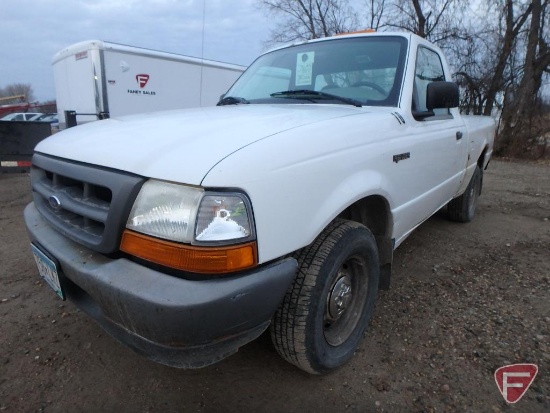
{"x": 458, "y": 135}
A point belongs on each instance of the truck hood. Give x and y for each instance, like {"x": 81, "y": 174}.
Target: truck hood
{"x": 182, "y": 145}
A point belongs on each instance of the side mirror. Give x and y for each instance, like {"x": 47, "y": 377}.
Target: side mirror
{"x": 441, "y": 95}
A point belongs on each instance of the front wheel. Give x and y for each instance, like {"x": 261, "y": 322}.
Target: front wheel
{"x": 325, "y": 312}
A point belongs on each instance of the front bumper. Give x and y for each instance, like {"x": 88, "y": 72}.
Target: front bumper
{"x": 174, "y": 321}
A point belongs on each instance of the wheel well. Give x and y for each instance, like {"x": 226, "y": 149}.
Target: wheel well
{"x": 374, "y": 212}
{"x": 481, "y": 158}
{"x": 480, "y": 162}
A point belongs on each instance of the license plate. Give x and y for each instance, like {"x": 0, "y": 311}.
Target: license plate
{"x": 47, "y": 270}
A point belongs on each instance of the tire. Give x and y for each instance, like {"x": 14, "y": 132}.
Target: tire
{"x": 463, "y": 208}
{"x": 326, "y": 310}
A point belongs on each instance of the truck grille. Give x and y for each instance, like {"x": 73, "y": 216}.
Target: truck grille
{"x": 86, "y": 203}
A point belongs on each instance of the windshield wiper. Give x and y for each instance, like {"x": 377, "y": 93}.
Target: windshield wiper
{"x": 232, "y": 100}
{"x": 304, "y": 93}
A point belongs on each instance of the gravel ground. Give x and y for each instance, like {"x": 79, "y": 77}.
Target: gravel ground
{"x": 465, "y": 300}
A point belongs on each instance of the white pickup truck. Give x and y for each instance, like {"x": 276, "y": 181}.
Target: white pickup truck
{"x": 186, "y": 234}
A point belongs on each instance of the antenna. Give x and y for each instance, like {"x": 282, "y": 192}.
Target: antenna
{"x": 202, "y": 49}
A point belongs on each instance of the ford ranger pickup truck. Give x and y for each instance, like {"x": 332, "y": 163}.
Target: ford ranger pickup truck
{"x": 186, "y": 234}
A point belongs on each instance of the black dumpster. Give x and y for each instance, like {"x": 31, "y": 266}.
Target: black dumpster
{"x": 17, "y": 142}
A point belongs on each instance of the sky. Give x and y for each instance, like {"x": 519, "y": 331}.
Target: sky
{"x": 32, "y": 31}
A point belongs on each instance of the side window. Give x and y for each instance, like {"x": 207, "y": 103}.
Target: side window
{"x": 428, "y": 69}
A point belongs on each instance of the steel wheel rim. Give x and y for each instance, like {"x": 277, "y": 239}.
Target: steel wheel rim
{"x": 345, "y": 301}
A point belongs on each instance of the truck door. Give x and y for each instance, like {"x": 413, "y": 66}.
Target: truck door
{"x": 437, "y": 146}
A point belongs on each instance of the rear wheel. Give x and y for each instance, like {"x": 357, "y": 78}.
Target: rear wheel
{"x": 324, "y": 314}
{"x": 462, "y": 208}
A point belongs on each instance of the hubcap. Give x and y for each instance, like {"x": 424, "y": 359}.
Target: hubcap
{"x": 340, "y": 297}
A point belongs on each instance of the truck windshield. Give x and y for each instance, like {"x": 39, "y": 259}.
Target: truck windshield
{"x": 366, "y": 70}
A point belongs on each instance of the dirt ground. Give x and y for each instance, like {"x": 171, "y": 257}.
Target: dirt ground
{"x": 465, "y": 300}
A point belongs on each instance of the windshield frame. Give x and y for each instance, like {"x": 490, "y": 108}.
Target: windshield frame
{"x": 320, "y": 46}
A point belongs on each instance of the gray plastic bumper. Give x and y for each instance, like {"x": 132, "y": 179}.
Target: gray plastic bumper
{"x": 174, "y": 321}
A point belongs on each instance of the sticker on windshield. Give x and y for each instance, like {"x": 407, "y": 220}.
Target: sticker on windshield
{"x": 304, "y": 68}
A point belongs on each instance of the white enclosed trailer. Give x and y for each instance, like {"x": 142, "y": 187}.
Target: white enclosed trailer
{"x": 98, "y": 79}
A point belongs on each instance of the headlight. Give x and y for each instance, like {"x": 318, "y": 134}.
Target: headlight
{"x": 165, "y": 210}
{"x": 223, "y": 217}
{"x": 218, "y": 224}
{"x": 189, "y": 215}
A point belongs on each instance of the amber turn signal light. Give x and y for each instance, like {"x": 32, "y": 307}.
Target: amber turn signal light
{"x": 204, "y": 260}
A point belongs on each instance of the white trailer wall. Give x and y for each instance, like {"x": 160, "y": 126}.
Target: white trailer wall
{"x": 75, "y": 83}
{"x": 97, "y": 76}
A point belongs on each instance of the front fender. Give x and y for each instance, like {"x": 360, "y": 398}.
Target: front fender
{"x": 300, "y": 181}
{"x": 353, "y": 188}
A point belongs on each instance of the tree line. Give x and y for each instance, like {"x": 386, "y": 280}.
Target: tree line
{"x": 499, "y": 49}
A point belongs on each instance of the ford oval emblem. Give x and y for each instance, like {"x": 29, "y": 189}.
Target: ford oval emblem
{"x": 54, "y": 201}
